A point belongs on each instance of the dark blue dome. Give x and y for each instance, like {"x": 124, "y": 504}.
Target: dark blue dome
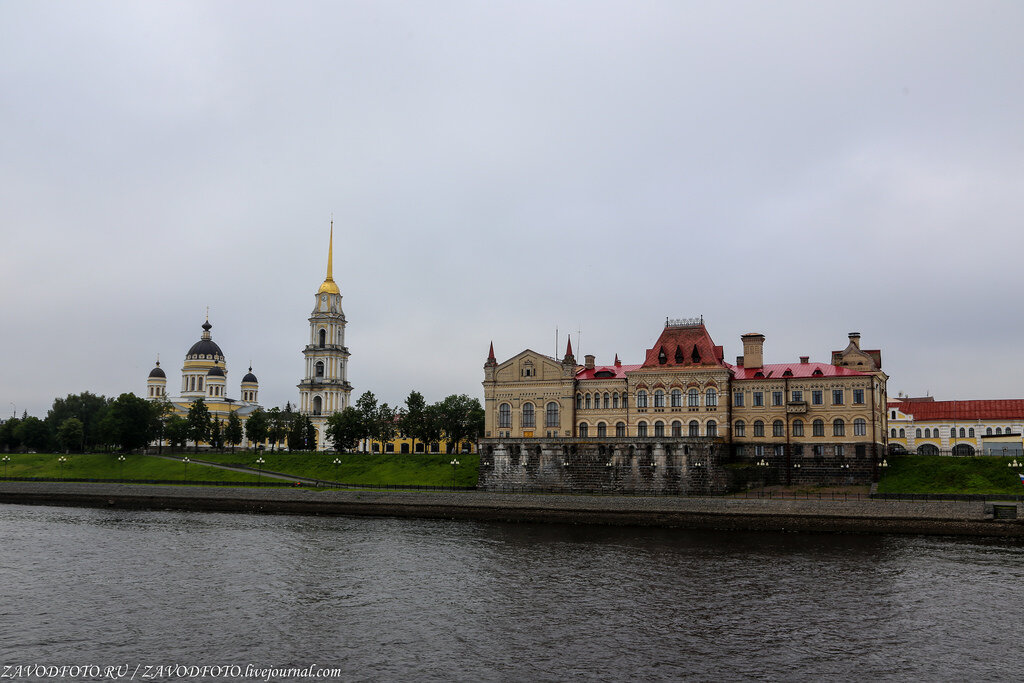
{"x": 215, "y": 371}
{"x": 157, "y": 372}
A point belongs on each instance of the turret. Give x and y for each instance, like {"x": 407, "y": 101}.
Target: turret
{"x": 156, "y": 383}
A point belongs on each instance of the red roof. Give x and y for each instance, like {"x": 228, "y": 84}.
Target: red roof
{"x": 683, "y": 346}
{"x": 1000, "y": 409}
{"x": 617, "y": 372}
{"x": 797, "y": 370}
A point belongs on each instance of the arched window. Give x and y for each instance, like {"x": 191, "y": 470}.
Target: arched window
{"x": 818, "y": 428}
{"x": 999, "y": 431}
{"x": 529, "y": 418}
{"x": 677, "y": 428}
{"x": 602, "y": 429}
{"x": 677, "y": 398}
{"x": 892, "y": 433}
{"x": 988, "y": 431}
{"x": 641, "y": 399}
{"x": 317, "y": 405}
{"x": 199, "y": 384}
{"x": 586, "y": 401}
{"x": 659, "y": 398}
{"x": 778, "y": 429}
{"x": 625, "y": 403}
{"x": 551, "y": 417}
{"x": 694, "y": 428}
{"x": 579, "y": 401}
{"x": 838, "y": 427}
{"x": 620, "y": 429}
{"x": 319, "y": 368}
{"x": 607, "y": 400}
{"x": 693, "y": 398}
{"x": 711, "y": 397}
{"x": 615, "y": 400}
{"x": 712, "y": 428}
{"x": 917, "y": 433}
{"x": 963, "y": 432}
{"x": 927, "y": 433}
{"x": 903, "y": 433}
{"x": 641, "y": 430}
{"x": 505, "y": 416}
{"x": 659, "y": 428}
{"x": 860, "y": 427}
{"x": 739, "y": 429}
{"x": 323, "y": 338}
{"x": 970, "y": 432}
{"x": 758, "y": 428}
{"x": 584, "y": 430}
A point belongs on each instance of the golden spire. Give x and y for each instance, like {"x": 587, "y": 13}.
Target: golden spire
{"x": 329, "y": 286}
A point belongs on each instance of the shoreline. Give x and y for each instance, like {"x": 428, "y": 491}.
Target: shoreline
{"x": 961, "y": 518}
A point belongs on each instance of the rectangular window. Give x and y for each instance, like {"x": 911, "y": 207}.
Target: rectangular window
{"x": 780, "y": 451}
{"x": 837, "y": 397}
{"x": 839, "y": 450}
{"x": 816, "y": 398}
{"x": 798, "y": 396}
{"x": 858, "y": 396}
{"x": 798, "y": 449}
{"x": 758, "y": 398}
{"x": 776, "y": 398}
{"x": 759, "y": 451}
{"x": 737, "y": 399}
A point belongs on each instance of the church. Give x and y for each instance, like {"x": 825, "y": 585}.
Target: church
{"x": 324, "y": 389}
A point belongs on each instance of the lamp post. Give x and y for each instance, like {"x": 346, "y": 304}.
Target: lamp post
{"x": 62, "y": 460}
{"x": 186, "y": 461}
{"x": 259, "y": 469}
{"x": 454, "y": 464}
{"x": 762, "y": 465}
{"x": 337, "y": 462}
{"x": 120, "y": 459}
{"x": 6, "y": 459}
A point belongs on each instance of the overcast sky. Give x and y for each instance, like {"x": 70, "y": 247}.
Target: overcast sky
{"x": 499, "y": 169}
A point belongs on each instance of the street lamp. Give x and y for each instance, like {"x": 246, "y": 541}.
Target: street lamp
{"x": 186, "y": 461}
{"x": 762, "y": 465}
{"x": 259, "y": 469}
{"x": 1014, "y": 464}
{"x": 62, "y": 460}
{"x": 454, "y": 464}
{"x": 6, "y": 460}
{"x": 120, "y": 459}
{"x": 337, "y": 462}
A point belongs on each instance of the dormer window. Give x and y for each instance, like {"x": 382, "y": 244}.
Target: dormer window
{"x": 695, "y": 356}
{"x": 662, "y": 358}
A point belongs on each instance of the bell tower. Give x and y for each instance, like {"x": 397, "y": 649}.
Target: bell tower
{"x": 325, "y": 389}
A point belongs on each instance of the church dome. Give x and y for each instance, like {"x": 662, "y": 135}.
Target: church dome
{"x": 249, "y": 377}
{"x": 157, "y": 371}
{"x": 205, "y": 347}
{"x": 215, "y": 371}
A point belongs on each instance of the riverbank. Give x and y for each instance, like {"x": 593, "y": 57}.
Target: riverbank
{"x": 974, "y": 518}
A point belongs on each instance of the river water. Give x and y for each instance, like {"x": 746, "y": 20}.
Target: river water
{"x": 411, "y": 600}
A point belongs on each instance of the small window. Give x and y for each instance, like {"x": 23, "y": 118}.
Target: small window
{"x": 711, "y": 397}
{"x": 712, "y": 428}
{"x": 739, "y": 429}
{"x": 615, "y": 400}
{"x": 860, "y": 427}
{"x": 602, "y": 429}
{"x": 777, "y": 428}
{"x": 816, "y": 397}
{"x": 837, "y": 397}
{"x": 620, "y": 429}
{"x": 641, "y": 399}
{"x": 903, "y": 433}
{"x": 737, "y": 399}
{"x": 694, "y": 428}
{"x": 818, "y": 428}
{"x": 659, "y": 428}
{"x": 677, "y": 428}
{"x": 798, "y": 396}
{"x": 758, "y": 428}
{"x": 776, "y": 398}
{"x": 586, "y": 401}
{"x": 917, "y": 433}
{"x": 693, "y": 398}
{"x": 970, "y": 432}
{"x": 579, "y": 401}
{"x": 758, "y": 398}
{"x": 659, "y": 399}
{"x": 839, "y": 450}
{"x": 858, "y": 396}
{"x": 798, "y": 427}
{"x": 584, "y": 429}
{"x": 607, "y": 400}
{"x": 641, "y": 430}
{"x": 677, "y": 398}
{"x": 838, "y": 427}
{"x": 892, "y": 433}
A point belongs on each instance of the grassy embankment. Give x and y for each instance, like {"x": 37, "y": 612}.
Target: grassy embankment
{"x": 107, "y": 466}
{"x": 939, "y": 474}
{"x": 421, "y": 469}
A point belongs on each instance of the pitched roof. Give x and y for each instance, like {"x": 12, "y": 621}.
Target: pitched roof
{"x": 796, "y": 370}
{"x": 997, "y": 409}
{"x": 683, "y": 346}
{"x": 606, "y": 372}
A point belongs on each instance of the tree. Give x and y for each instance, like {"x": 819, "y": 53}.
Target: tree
{"x": 87, "y": 407}
{"x": 70, "y": 435}
{"x": 385, "y": 425}
{"x": 9, "y": 434}
{"x": 162, "y": 410}
{"x": 176, "y": 431}
{"x": 198, "y": 422}
{"x": 414, "y": 419}
{"x": 256, "y": 427}
{"x": 130, "y": 422}
{"x": 302, "y": 436}
{"x": 33, "y": 434}
{"x": 345, "y": 429}
{"x": 275, "y": 427}
{"x": 217, "y": 434}
{"x": 366, "y": 406}
{"x": 461, "y": 418}
{"x": 233, "y": 430}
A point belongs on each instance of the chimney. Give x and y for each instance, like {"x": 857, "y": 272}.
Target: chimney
{"x": 855, "y": 339}
{"x": 739, "y": 361}
{"x": 588, "y": 361}
{"x": 753, "y": 350}
{"x": 804, "y": 360}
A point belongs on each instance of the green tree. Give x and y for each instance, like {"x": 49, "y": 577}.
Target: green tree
{"x": 345, "y": 429}
{"x": 217, "y": 434}
{"x": 233, "y": 430}
{"x": 87, "y": 407}
{"x": 413, "y": 423}
{"x": 275, "y": 427}
{"x": 70, "y": 435}
{"x": 176, "y": 431}
{"x": 366, "y": 407}
{"x": 256, "y": 427}
{"x": 162, "y": 411}
{"x": 385, "y": 425}
{"x": 461, "y": 418}
{"x": 33, "y": 434}
{"x": 301, "y": 436}
{"x": 130, "y": 421}
{"x": 9, "y": 435}
{"x": 198, "y": 422}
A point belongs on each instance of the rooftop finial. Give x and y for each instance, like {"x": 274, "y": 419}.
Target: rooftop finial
{"x": 329, "y": 287}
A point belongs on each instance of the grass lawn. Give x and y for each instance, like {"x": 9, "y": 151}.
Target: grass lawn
{"x": 944, "y": 474}
{"x": 107, "y": 466}
{"x": 422, "y": 469}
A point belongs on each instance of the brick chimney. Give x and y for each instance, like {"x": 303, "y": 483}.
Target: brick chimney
{"x": 855, "y": 339}
{"x": 753, "y": 350}
{"x": 804, "y": 360}
{"x": 588, "y": 361}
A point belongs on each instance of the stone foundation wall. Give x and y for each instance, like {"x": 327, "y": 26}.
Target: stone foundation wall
{"x": 665, "y": 466}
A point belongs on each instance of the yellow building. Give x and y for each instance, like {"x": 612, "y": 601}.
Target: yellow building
{"x": 928, "y": 427}
{"x": 805, "y": 421}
